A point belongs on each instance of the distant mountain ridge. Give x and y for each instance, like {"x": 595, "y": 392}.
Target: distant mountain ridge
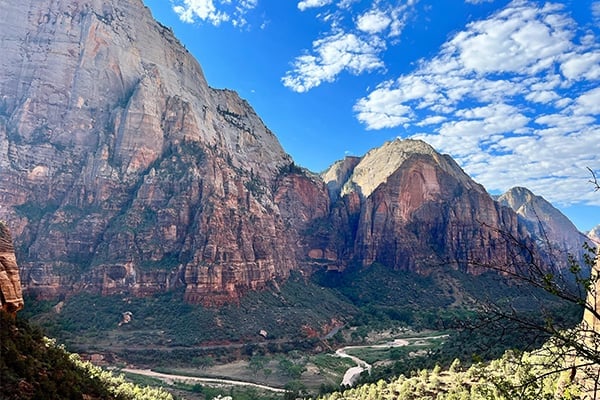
{"x": 124, "y": 172}
{"x": 551, "y": 228}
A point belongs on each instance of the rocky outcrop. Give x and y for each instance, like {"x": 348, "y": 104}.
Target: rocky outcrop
{"x": 123, "y": 171}
{"x": 11, "y": 296}
{"x": 550, "y": 228}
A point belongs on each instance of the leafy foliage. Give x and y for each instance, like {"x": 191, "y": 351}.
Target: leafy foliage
{"x": 513, "y": 376}
{"x": 164, "y": 329}
{"x": 34, "y": 367}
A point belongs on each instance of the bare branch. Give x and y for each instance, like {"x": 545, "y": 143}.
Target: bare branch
{"x": 594, "y": 180}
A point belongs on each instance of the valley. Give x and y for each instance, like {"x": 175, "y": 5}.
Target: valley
{"x": 394, "y": 331}
{"x": 155, "y": 226}
{"x": 316, "y": 376}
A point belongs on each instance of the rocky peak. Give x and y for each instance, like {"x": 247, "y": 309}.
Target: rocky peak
{"x": 11, "y": 297}
{"x": 338, "y": 174}
{"x": 551, "y": 228}
{"x": 408, "y": 207}
{"x": 375, "y": 167}
{"x": 594, "y": 234}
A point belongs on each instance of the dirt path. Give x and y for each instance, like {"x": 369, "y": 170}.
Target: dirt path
{"x": 168, "y": 378}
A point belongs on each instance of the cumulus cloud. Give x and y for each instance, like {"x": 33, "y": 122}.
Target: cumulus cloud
{"x": 356, "y": 47}
{"x": 334, "y": 54}
{"x": 373, "y": 21}
{"x": 214, "y": 12}
{"x": 513, "y": 97}
{"x": 305, "y": 4}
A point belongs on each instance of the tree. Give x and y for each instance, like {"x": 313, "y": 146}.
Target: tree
{"x": 572, "y": 356}
{"x": 256, "y": 363}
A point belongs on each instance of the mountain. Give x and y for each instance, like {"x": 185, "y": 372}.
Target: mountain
{"x": 408, "y": 207}
{"x": 124, "y": 172}
{"x": 594, "y": 234}
{"x": 551, "y": 229}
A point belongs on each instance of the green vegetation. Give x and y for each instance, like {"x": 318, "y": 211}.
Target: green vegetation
{"x": 33, "y": 211}
{"x": 34, "y": 367}
{"x": 513, "y": 376}
{"x": 165, "y": 330}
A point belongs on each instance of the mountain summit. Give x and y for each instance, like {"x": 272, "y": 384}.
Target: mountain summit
{"x": 408, "y": 207}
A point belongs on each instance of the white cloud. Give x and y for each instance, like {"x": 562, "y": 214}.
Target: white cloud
{"x": 589, "y": 103}
{"x": 374, "y": 21}
{"x": 214, "y": 12}
{"x": 516, "y": 40}
{"x": 596, "y": 9}
{"x": 582, "y": 66}
{"x": 433, "y": 120}
{"x": 514, "y": 98}
{"x": 305, "y": 4}
{"x": 334, "y": 54}
{"x": 355, "y": 49}
{"x": 478, "y": 1}
{"x": 542, "y": 96}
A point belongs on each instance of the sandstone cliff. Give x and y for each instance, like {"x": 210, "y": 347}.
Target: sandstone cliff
{"x": 122, "y": 170}
{"x": 551, "y": 229}
{"x": 411, "y": 208}
{"x": 11, "y": 297}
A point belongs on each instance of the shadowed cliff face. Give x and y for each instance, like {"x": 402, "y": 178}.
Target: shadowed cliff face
{"x": 411, "y": 208}
{"x": 11, "y": 297}
{"x": 548, "y": 226}
{"x": 122, "y": 171}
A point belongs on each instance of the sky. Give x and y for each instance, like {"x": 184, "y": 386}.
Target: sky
{"x": 509, "y": 89}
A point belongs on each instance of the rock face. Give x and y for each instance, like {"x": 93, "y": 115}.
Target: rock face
{"x": 551, "y": 229}
{"x": 410, "y": 208}
{"x": 123, "y": 171}
{"x": 594, "y": 234}
{"x": 11, "y": 297}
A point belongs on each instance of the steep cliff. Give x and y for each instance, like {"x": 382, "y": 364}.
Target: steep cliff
{"x": 11, "y": 296}
{"x": 551, "y": 229}
{"x": 411, "y": 208}
{"x": 122, "y": 170}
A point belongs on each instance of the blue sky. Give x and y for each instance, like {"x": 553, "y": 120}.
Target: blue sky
{"x": 510, "y": 89}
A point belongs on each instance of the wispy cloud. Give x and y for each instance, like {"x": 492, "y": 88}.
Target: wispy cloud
{"x": 356, "y": 39}
{"x": 514, "y": 98}
{"x": 305, "y": 4}
{"x": 214, "y": 12}
{"x": 332, "y": 55}
{"x": 596, "y": 9}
